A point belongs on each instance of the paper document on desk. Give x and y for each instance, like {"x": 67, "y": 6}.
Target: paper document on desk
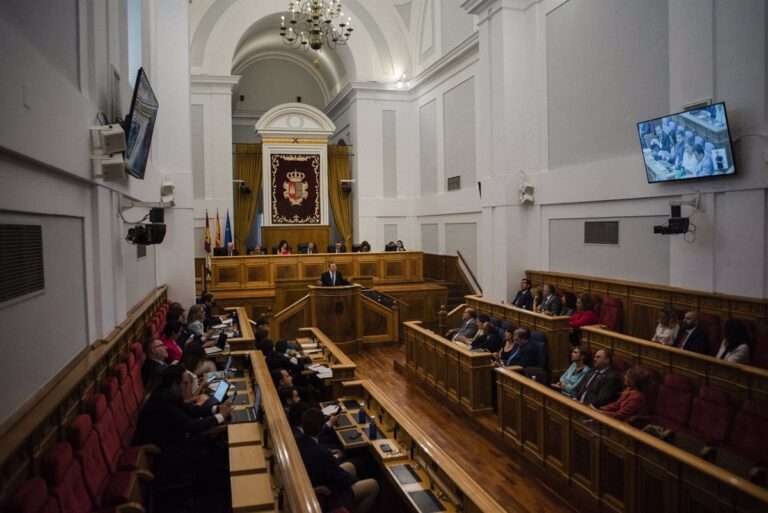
{"x": 213, "y": 350}
{"x": 227, "y": 321}
{"x": 322, "y": 371}
{"x": 305, "y": 347}
{"x": 313, "y": 351}
{"x": 331, "y": 409}
{"x": 219, "y": 327}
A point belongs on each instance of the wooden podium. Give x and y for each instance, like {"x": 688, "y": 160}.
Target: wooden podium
{"x": 338, "y": 312}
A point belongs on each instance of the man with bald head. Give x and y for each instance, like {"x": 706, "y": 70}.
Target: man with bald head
{"x": 691, "y": 336}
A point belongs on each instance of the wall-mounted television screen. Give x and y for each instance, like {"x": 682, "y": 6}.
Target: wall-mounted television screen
{"x": 687, "y": 145}
{"x": 139, "y": 126}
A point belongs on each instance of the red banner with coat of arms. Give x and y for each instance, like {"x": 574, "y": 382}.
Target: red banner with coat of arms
{"x": 295, "y": 188}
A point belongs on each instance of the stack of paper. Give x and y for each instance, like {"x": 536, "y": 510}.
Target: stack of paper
{"x": 322, "y": 371}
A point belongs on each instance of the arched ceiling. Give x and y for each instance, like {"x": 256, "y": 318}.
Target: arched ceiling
{"x": 230, "y": 35}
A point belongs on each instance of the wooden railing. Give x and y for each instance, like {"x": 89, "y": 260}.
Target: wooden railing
{"x": 246, "y": 339}
{"x": 556, "y": 328}
{"x": 380, "y": 323}
{"x": 41, "y": 422}
{"x": 286, "y": 322}
{"x": 462, "y": 376}
{"x": 739, "y": 381}
{"x": 642, "y": 302}
{"x": 609, "y": 465}
{"x": 288, "y": 469}
{"x": 466, "y": 494}
{"x": 465, "y": 269}
{"x": 342, "y": 365}
{"x": 446, "y": 268}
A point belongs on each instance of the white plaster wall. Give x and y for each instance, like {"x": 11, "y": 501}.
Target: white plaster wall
{"x": 45, "y": 166}
{"x": 270, "y": 82}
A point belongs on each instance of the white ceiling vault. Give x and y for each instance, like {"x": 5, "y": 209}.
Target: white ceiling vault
{"x": 229, "y": 36}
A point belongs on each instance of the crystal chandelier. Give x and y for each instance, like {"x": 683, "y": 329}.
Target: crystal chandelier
{"x": 311, "y": 24}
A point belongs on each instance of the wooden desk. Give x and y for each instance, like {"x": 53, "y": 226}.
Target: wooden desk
{"x": 342, "y": 365}
{"x": 251, "y": 492}
{"x": 556, "y": 328}
{"x": 739, "y": 381}
{"x": 247, "y": 338}
{"x": 456, "y": 490}
{"x": 248, "y": 459}
{"x": 246, "y": 433}
{"x": 607, "y": 464}
{"x": 462, "y": 376}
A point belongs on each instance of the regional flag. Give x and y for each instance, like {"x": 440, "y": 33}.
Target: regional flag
{"x": 218, "y": 230}
{"x": 228, "y": 235}
{"x": 207, "y": 243}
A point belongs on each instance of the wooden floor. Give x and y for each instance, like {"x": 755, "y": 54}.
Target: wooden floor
{"x": 499, "y": 472}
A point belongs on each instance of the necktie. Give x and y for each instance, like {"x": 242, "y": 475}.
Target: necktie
{"x": 333, "y": 278}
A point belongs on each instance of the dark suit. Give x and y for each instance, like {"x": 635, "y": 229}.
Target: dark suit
{"x": 598, "y": 387}
{"x": 150, "y": 372}
{"x": 523, "y": 299}
{"x": 324, "y": 470}
{"x": 552, "y": 304}
{"x": 696, "y": 341}
{"x": 326, "y": 280}
{"x": 490, "y": 341}
{"x": 524, "y": 355}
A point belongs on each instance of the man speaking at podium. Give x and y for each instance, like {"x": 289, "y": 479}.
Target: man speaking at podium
{"x": 332, "y": 277}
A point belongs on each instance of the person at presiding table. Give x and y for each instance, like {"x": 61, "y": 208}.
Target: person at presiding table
{"x": 632, "y": 401}
{"x": 487, "y": 337}
{"x": 691, "y": 336}
{"x": 735, "y": 345}
{"x": 336, "y": 483}
{"x": 602, "y": 385}
{"x": 518, "y": 350}
{"x": 524, "y": 298}
{"x": 466, "y": 332}
{"x": 283, "y": 248}
{"x": 575, "y": 372}
{"x": 332, "y": 277}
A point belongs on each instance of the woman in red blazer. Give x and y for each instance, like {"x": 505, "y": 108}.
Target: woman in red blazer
{"x": 585, "y": 312}
{"x": 631, "y": 402}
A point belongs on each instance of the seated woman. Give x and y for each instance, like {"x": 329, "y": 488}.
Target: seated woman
{"x": 631, "y": 402}
{"x": 573, "y": 375}
{"x": 585, "y": 313}
{"x": 518, "y": 350}
{"x": 569, "y": 304}
{"x": 170, "y": 333}
{"x": 667, "y": 328}
{"x": 735, "y": 346}
{"x": 283, "y": 248}
{"x": 196, "y": 320}
{"x": 365, "y": 247}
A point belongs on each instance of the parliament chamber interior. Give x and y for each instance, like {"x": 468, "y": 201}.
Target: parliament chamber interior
{"x": 357, "y": 256}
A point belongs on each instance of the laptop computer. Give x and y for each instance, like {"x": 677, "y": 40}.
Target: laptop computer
{"x": 249, "y": 414}
{"x": 220, "y": 345}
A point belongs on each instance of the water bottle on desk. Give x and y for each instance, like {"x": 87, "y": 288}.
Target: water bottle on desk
{"x": 373, "y": 433}
{"x": 361, "y": 414}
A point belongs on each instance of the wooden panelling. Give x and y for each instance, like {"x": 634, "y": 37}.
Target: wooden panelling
{"x": 643, "y": 302}
{"x": 462, "y": 376}
{"x": 610, "y": 464}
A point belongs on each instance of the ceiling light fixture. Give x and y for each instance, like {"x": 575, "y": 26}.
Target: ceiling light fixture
{"x": 311, "y": 24}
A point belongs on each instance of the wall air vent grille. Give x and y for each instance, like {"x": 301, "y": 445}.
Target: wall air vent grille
{"x": 21, "y": 260}
{"x": 601, "y": 232}
{"x": 454, "y": 183}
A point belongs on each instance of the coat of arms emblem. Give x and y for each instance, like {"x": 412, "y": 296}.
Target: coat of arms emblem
{"x": 295, "y": 189}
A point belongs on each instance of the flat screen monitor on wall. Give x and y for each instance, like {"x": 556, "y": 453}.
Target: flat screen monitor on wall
{"x": 687, "y": 145}
{"x": 139, "y": 126}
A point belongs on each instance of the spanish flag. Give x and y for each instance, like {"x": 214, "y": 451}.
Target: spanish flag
{"x": 207, "y": 243}
{"x": 218, "y": 230}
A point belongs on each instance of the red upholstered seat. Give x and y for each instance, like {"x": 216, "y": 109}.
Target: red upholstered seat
{"x": 711, "y": 415}
{"x": 66, "y": 478}
{"x": 115, "y": 455}
{"x": 126, "y": 387}
{"x": 123, "y": 423}
{"x": 138, "y": 352}
{"x": 32, "y": 497}
{"x": 749, "y": 434}
{"x": 612, "y": 313}
{"x": 673, "y": 402}
{"x": 134, "y": 371}
{"x": 105, "y": 489}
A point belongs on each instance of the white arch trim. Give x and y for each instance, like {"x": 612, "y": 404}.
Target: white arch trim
{"x": 295, "y": 119}
{"x": 286, "y": 57}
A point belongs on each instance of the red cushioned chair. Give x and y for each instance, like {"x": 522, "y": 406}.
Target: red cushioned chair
{"x": 117, "y": 457}
{"x": 711, "y": 415}
{"x": 711, "y": 326}
{"x": 66, "y": 478}
{"x": 138, "y": 352}
{"x": 134, "y": 371}
{"x": 673, "y": 403}
{"x": 104, "y": 488}
{"x": 126, "y": 387}
{"x": 32, "y": 497}
{"x": 124, "y": 424}
{"x": 749, "y": 435}
{"x": 612, "y": 313}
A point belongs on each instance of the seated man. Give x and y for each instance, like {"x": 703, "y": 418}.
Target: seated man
{"x": 466, "y": 332}
{"x": 336, "y": 481}
{"x": 487, "y": 337}
{"x": 550, "y": 302}
{"x": 339, "y": 247}
{"x": 602, "y": 385}
{"x": 691, "y": 336}
{"x": 524, "y": 353}
{"x": 524, "y": 297}
{"x": 154, "y": 365}
{"x": 332, "y": 277}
